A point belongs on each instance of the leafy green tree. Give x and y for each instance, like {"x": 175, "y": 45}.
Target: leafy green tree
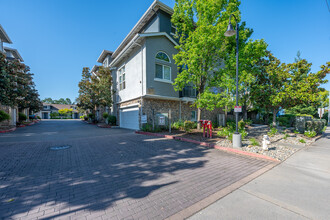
{"x": 201, "y": 25}
{"x": 87, "y": 95}
{"x": 282, "y": 86}
{"x": 104, "y": 87}
{"x": 48, "y": 100}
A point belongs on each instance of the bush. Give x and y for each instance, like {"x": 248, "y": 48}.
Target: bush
{"x": 112, "y": 119}
{"x": 285, "y": 136}
{"x": 241, "y": 124}
{"x": 254, "y": 142}
{"x": 272, "y": 132}
{"x": 38, "y": 117}
{"x": 105, "y": 115}
{"x": 91, "y": 116}
{"x": 310, "y": 134}
{"x": 316, "y": 125}
{"x": 302, "y": 141}
{"x": 188, "y": 125}
{"x": 146, "y": 128}
{"x": 305, "y": 115}
{"x": 82, "y": 117}
{"x": 4, "y": 116}
{"x": 224, "y": 132}
{"x": 22, "y": 116}
{"x": 248, "y": 121}
{"x": 178, "y": 125}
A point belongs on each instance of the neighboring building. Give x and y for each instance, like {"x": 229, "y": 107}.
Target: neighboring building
{"x": 10, "y": 55}
{"x": 143, "y": 71}
{"x": 47, "y": 109}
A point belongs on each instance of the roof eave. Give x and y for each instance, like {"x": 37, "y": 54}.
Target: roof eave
{"x": 6, "y": 37}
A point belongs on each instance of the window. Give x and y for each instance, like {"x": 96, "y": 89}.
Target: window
{"x": 105, "y": 62}
{"x": 173, "y": 29}
{"x": 163, "y": 57}
{"x": 193, "y": 116}
{"x": 122, "y": 81}
{"x": 163, "y": 71}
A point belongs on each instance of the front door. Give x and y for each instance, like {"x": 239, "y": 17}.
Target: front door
{"x": 45, "y": 115}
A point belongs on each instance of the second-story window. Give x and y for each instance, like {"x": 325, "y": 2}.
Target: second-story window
{"x": 122, "y": 83}
{"x": 163, "y": 70}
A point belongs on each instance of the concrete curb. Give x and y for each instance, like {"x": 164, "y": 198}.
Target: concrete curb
{"x": 226, "y": 149}
{"x": 9, "y": 130}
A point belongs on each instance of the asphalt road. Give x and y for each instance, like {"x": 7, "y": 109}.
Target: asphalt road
{"x": 108, "y": 173}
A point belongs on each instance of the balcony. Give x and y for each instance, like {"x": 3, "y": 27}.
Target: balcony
{"x": 188, "y": 91}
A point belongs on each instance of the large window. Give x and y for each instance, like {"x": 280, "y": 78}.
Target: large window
{"x": 163, "y": 70}
{"x": 122, "y": 83}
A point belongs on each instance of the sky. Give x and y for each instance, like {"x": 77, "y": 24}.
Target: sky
{"x": 57, "y": 38}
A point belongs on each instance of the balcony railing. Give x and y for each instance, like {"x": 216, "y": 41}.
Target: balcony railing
{"x": 188, "y": 91}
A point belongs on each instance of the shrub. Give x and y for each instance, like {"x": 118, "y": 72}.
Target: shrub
{"x": 316, "y": 125}
{"x": 21, "y": 116}
{"x": 178, "y": 125}
{"x": 285, "y": 136}
{"x": 241, "y": 124}
{"x": 146, "y": 127}
{"x": 243, "y": 133}
{"x": 305, "y": 115}
{"x": 248, "y": 121}
{"x": 112, "y": 119}
{"x": 272, "y": 132}
{"x": 310, "y": 134}
{"x": 224, "y": 132}
{"x": 82, "y": 117}
{"x": 188, "y": 125}
{"x": 4, "y": 116}
{"x": 302, "y": 141}
{"x": 254, "y": 142}
{"x": 91, "y": 116}
{"x": 38, "y": 117}
{"x": 296, "y": 132}
{"x": 105, "y": 115}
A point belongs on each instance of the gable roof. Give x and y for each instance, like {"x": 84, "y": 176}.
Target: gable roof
{"x": 14, "y": 52}
{"x": 104, "y": 55}
{"x": 3, "y": 36}
{"x": 60, "y": 106}
{"x": 152, "y": 10}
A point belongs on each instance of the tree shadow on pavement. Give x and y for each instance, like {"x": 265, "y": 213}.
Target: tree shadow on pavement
{"x": 124, "y": 172}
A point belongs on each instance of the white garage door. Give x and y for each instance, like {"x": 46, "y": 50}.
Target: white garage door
{"x": 129, "y": 118}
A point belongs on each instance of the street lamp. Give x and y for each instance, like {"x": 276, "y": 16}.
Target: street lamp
{"x": 237, "y": 138}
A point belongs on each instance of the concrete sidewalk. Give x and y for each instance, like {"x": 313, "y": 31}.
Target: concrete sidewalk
{"x": 299, "y": 188}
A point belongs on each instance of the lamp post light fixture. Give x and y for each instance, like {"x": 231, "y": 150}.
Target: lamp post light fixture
{"x": 237, "y": 138}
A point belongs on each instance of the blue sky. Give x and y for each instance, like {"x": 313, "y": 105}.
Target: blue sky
{"x": 57, "y": 38}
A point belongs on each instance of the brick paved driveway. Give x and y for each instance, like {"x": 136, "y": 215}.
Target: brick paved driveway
{"x": 107, "y": 173}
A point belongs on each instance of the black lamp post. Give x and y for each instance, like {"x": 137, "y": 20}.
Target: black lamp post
{"x": 237, "y": 140}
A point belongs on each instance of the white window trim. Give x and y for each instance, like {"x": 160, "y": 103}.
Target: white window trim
{"x": 169, "y": 58}
{"x": 163, "y": 79}
{"x": 172, "y": 26}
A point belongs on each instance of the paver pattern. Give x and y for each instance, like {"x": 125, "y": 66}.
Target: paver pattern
{"x": 107, "y": 173}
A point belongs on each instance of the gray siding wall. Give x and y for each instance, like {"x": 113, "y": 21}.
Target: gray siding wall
{"x": 152, "y": 26}
{"x": 153, "y": 46}
{"x": 164, "y": 22}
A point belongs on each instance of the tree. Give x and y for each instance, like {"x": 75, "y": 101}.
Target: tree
{"x": 200, "y": 25}
{"x": 282, "y": 86}
{"x": 104, "y": 87}
{"x": 68, "y": 101}
{"x": 48, "y": 100}
{"x": 87, "y": 97}
{"x": 95, "y": 90}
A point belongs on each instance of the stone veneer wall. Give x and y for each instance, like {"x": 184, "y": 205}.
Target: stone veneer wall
{"x": 7, "y": 110}
{"x": 163, "y": 106}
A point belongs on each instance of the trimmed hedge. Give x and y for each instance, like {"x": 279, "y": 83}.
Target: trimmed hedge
{"x": 316, "y": 125}
{"x": 112, "y": 119}
{"x": 4, "y": 116}
{"x": 21, "y": 116}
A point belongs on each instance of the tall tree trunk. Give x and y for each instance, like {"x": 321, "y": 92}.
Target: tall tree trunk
{"x": 274, "y": 117}
{"x": 198, "y": 118}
